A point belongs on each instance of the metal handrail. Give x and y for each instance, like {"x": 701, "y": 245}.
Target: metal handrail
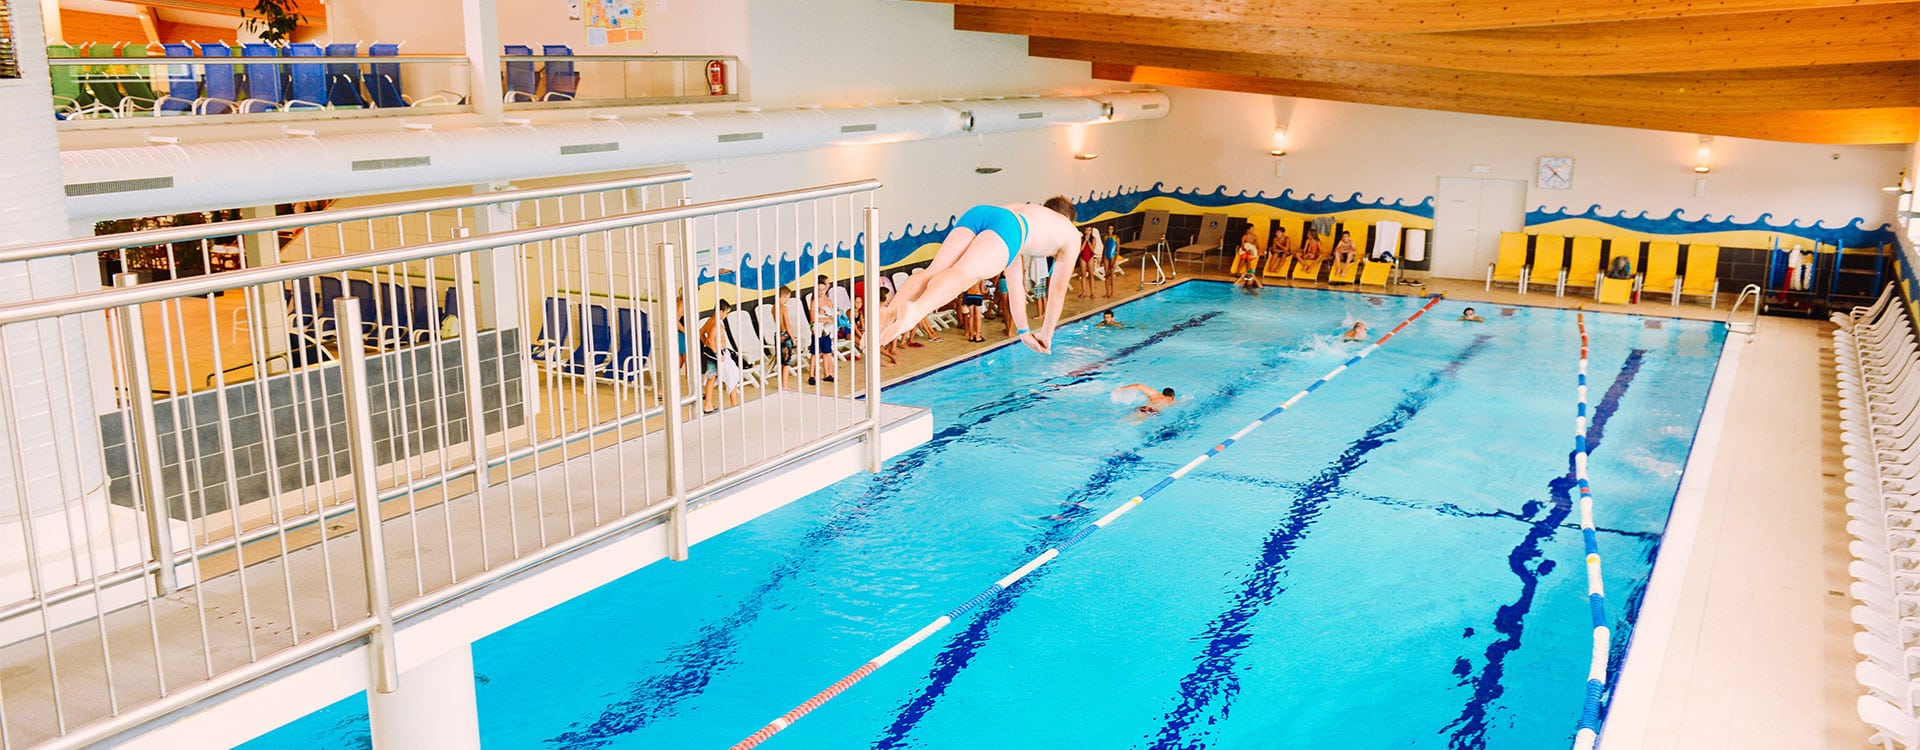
{"x": 1753, "y": 324}
{"x": 330, "y": 216}
{"x": 253, "y": 277}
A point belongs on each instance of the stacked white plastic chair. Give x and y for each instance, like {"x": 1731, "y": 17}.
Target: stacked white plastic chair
{"x": 1876, "y": 356}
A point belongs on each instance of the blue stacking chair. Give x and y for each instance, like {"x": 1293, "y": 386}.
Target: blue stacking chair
{"x": 265, "y": 89}
{"x": 343, "y": 78}
{"x": 222, "y": 90}
{"x": 303, "y": 310}
{"x": 183, "y": 87}
{"x": 369, "y": 304}
{"x": 450, "y": 305}
{"x": 628, "y": 365}
{"x": 522, "y": 80}
{"x": 563, "y": 81}
{"x": 555, "y": 329}
{"x": 306, "y": 84}
{"x": 594, "y": 356}
{"x": 383, "y": 80}
{"x": 396, "y": 315}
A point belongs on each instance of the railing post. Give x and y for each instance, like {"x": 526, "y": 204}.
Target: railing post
{"x": 677, "y": 542}
{"x": 373, "y": 549}
{"x": 470, "y": 365}
{"x": 871, "y": 263}
{"x": 144, "y": 438}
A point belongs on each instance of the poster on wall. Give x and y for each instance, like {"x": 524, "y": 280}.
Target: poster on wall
{"x": 9, "y": 62}
{"x": 615, "y": 21}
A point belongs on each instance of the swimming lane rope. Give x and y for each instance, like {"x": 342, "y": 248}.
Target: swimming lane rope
{"x": 840, "y": 686}
{"x": 1596, "y": 592}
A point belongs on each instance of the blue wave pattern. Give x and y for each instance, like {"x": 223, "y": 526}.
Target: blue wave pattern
{"x": 1207, "y": 692}
{"x": 1470, "y": 729}
{"x": 1126, "y": 200}
{"x": 1853, "y": 234}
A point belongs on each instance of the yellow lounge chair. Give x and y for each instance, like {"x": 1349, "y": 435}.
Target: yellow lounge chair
{"x": 1661, "y": 275}
{"x": 1339, "y": 275}
{"x": 1583, "y": 270}
{"x": 1703, "y": 274}
{"x": 1376, "y": 273}
{"x": 1278, "y": 266}
{"x": 1549, "y": 259}
{"x": 1307, "y": 270}
{"x": 1614, "y": 291}
{"x": 1511, "y": 266}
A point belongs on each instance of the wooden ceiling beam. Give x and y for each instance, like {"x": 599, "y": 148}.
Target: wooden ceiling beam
{"x": 1889, "y": 125}
{"x": 1797, "y": 38}
{"x": 1402, "y": 16}
{"x": 1789, "y": 89}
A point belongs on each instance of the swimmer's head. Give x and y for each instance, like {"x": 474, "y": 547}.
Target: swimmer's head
{"x": 1168, "y": 392}
{"x": 1467, "y": 313}
{"x": 1108, "y": 315}
{"x": 1060, "y": 204}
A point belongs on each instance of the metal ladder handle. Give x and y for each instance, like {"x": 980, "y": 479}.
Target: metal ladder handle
{"x": 1752, "y": 324}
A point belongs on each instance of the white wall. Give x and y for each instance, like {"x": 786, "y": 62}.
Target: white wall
{"x": 1385, "y": 151}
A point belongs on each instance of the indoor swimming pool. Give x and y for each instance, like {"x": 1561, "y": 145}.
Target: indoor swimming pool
{"x": 1393, "y": 562}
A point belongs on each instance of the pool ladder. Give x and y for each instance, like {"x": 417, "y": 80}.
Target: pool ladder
{"x": 1752, "y": 323}
{"x": 1159, "y": 272}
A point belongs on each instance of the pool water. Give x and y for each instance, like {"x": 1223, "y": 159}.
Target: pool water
{"x": 1394, "y": 562}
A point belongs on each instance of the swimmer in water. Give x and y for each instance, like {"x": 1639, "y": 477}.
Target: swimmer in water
{"x": 1156, "y": 400}
{"x": 1468, "y": 315}
{"x": 1357, "y": 333}
{"x": 1107, "y": 321}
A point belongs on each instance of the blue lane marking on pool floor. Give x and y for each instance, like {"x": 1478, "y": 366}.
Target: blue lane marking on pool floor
{"x": 1212, "y": 684}
{"x": 695, "y": 663}
{"x": 1470, "y": 728}
{"x": 1119, "y": 467}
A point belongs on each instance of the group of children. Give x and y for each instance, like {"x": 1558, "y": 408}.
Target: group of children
{"x": 1250, "y": 259}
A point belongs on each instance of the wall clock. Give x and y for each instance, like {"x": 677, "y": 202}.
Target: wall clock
{"x": 1556, "y": 173}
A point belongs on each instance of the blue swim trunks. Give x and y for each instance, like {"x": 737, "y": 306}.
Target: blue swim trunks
{"x": 1010, "y": 227}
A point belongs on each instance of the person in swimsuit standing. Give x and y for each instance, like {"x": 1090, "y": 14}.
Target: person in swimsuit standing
{"x": 1111, "y": 256}
{"x": 983, "y": 242}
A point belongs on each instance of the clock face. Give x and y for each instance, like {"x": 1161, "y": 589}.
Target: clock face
{"x": 1556, "y": 172}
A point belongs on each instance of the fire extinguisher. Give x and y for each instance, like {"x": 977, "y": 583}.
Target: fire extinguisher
{"x": 716, "y": 78}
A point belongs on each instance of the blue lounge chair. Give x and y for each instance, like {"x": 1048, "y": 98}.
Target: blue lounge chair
{"x": 183, "y": 87}
{"x": 631, "y": 365}
{"x": 522, "y": 80}
{"x": 423, "y": 319}
{"x": 343, "y": 78}
{"x": 265, "y": 89}
{"x": 306, "y": 84}
{"x": 563, "y": 81}
{"x": 555, "y": 330}
{"x": 594, "y": 356}
{"x": 222, "y": 90}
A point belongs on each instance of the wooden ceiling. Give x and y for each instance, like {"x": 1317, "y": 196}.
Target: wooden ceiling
{"x": 1814, "y": 71}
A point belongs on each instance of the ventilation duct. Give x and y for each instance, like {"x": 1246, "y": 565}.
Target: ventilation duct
{"x": 251, "y": 173}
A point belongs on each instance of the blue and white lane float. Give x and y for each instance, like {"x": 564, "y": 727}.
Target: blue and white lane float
{"x": 840, "y": 686}
{"x": 1596, "y": 591}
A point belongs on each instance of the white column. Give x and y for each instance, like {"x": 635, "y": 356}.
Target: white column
{"x": 482, "y": 19}
{"x": 267, "y": 315}
{"x": 434, "y": 707}
{"x": 49, "y": 438}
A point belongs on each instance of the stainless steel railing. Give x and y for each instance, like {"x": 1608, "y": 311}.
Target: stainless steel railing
{"x": 184, "y": 545}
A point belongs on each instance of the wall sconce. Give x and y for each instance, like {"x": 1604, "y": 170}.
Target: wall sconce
{"x": 1703, "y": 158}
{"x": 1899, "y": 186}
{"x": 1279, "y": 142}
{"x": 1086, "y": 157}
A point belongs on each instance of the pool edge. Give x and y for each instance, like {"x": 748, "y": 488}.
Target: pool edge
{"x": 1631, "y": 705}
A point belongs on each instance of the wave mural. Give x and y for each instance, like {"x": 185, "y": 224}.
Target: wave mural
{"x": 1100, "y": 206}
{"x": 1757, "y": 233}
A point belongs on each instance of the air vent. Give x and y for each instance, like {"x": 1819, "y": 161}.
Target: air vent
{"x": 1031, "y": 115}
{"x": 1150, "y": 106}
{"x": 865, "y": 127}
{"x": 738, "y": 137}
{"x": 398, "y": 162}
{"x": 589, "y": 148}
{"x": 118, "y": 186}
